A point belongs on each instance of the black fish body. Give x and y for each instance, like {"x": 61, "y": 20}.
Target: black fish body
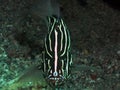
{"x": 56, "y": 58}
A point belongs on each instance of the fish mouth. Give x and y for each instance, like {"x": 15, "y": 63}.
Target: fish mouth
{"x": 58, "y": 80}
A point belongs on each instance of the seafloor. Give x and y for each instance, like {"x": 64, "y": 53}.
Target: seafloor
{"x": 95, "y": 34}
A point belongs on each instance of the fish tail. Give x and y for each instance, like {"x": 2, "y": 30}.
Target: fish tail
{"x": 44, "y": 8}
{"x": 55, "y": 8}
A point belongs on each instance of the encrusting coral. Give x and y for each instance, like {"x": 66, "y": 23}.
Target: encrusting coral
{"x": 30, "y": 79}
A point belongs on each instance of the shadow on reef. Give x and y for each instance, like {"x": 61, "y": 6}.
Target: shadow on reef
{"x": 30, "y": 33}
{"x": 35, "y": 47}
{"x": 113, "y": 3}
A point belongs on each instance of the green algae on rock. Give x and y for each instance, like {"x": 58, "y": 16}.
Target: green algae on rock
{"x": 30, "y": 79}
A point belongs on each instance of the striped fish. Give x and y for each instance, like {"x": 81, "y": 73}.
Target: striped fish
{"x": 57, "y": 57}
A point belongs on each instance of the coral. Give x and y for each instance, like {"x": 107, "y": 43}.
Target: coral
{"x": 27, "y": 80}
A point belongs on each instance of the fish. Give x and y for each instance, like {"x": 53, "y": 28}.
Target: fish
{"x": 56, "y": 57}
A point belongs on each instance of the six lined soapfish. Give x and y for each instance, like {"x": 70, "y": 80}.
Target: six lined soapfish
{"x": 57, "y": 54}
{"x": 56, "y": 57}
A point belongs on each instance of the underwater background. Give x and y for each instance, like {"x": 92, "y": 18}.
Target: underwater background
{"x": 95, "y": 32}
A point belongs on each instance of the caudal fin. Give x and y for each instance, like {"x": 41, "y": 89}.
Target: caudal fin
{"x": 44, "y": 8}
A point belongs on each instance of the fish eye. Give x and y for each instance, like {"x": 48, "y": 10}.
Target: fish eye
{"x": 55, "y": 74}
